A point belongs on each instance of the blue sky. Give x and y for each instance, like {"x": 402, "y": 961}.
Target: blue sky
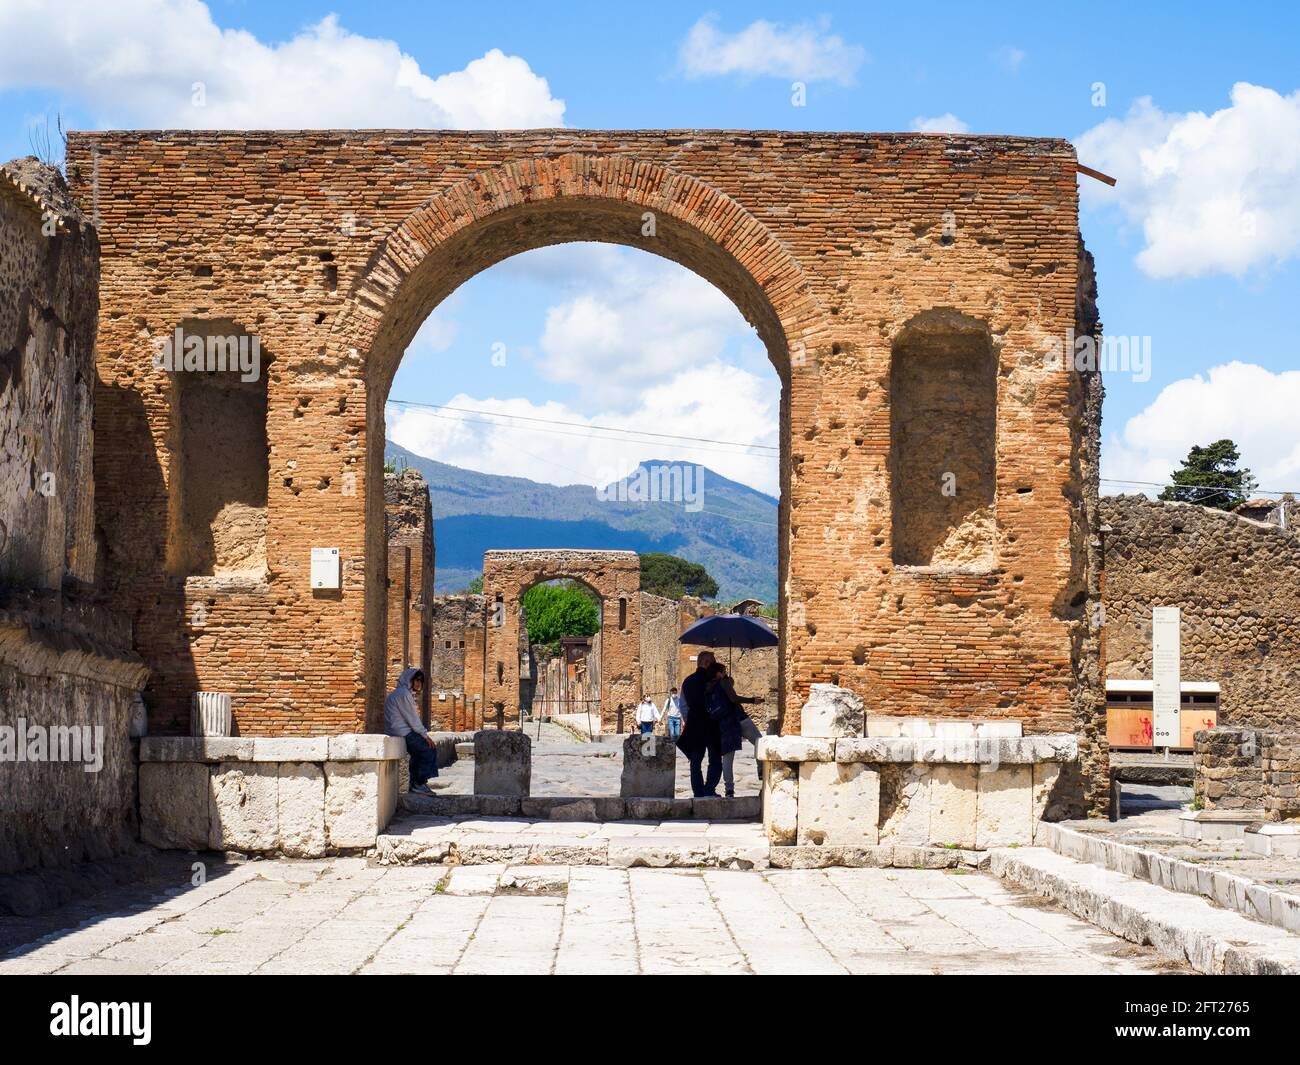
{"x": 1198, "y": 249}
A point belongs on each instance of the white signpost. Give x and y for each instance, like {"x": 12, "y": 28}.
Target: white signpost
{"x": 1166, "y": 675}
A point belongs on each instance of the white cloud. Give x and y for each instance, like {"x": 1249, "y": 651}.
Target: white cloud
{"x": 1212, "y": 193}
{"x": 945, "y": 123}
{"x": 1009, "y": 57}
{"x": 803, "y": 52}
{"x": 1243, "y": 402}
{"x": 714, "y": 400}
{"x": 646, "y": 319}
{"x": 166, "y": 64}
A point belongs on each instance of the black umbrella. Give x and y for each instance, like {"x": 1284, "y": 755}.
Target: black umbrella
{"x": 729, "y": 631}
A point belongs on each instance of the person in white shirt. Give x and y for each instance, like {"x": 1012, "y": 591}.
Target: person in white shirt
{"x": 673, "y": 712}
{"x": 647, "y": 714}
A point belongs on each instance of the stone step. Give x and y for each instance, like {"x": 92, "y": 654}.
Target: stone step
{"x": 1181, "y": 926}
{"x": 1218, "y": 824}
{"x": 1238, "y": 893}
{"x": 585, "y": 807}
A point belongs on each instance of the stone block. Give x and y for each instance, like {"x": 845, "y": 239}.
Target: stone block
{"x": 174, "y": 805}
{"x": 353, "y": 804}
{"x": 365, "y": 747}
{"x": 861, "y": 749}
{"x": 905, "y": 805}
{"x": 832, "y": 711}
{"x": 839, "y": 804}
{"x": 503, "y": 763}
{"x": 881, "y": 725}
{"x": 1005, "y": 806}
{"x": 649, "y": 768}
{"x": 780, "y": 803}
{"x": 196, "y": 749}
{"x": 300, "y": 799}
{"x": 954, "y": 793}
{"x": 795, "y": 749}
{"x": 290, "y": 748}
{"x": 244, "y": 809}
{"x": 1046, "y": 807}
{"x": 740, "y": 808}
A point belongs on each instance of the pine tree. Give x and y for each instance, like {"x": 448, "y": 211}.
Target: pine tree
{"x": 1209, "y": 476}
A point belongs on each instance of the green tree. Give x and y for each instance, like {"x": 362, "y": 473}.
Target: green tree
{"x": 674, "y": 577}
{"x": 556, "y": 610}
{"x": 475, "y": 587}
{"x": 1210, "y": 476}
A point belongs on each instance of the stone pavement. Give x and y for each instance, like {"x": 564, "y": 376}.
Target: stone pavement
{"x": 348, "y": 916}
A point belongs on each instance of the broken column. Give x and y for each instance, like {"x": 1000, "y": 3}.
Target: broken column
{"x": 503, "y": 763}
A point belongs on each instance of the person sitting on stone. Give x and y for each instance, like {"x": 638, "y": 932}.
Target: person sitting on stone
{"x": 647, "y": 714}
{"x": 402, "y": 719}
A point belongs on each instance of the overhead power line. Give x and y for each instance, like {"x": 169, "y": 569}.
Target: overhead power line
{"x": 482, "y": 415}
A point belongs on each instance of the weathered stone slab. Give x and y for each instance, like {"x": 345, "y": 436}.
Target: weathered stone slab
{"x": 649, "y": 768}
{"x": 832, "y": 711}
{"x": 795, "y": 749}
{"x": 839, "y": 804}
{"x": 195, "y": 749}
{"x": 1046, "y": 776}
{"x": 174, "y": 805}
{"x": 1005, "y": 808}
{"x": 739, "y": 808}
{"x": 300, "y": 799}
{"x": 780, "y": 802}
{"x": 905, "y": 804}
{"x": 861, "y": 749}
{"x": 244, "y": 808}
{"x": 365, "y": 747}
{"x": 954, "y": 793}
{"x": 290, "y": 748}
{"x": 503, "y": 763}
{"x": 352, "y": 804}
{"x": 659, "y": 809}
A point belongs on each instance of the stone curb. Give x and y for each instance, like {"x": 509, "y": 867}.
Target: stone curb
{"x": 984, "y": 750}
{"x": 352, "y": 747}
{"x": 584, "y": 807}
{"x": 1180, "y": 926}
{"x": 1247, "y": 897}
{"x": 492, "y": 849}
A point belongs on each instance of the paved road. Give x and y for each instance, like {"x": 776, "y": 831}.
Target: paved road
{"x": 345, "y": 916}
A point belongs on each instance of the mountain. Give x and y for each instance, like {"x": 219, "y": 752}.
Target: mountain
{"x": 732, "y": 533}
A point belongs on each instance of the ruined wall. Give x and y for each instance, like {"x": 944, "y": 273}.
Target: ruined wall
{"x": 660, "y": 651}
{"x": 68, "y": 679}
{"x": 1237, "y": 583}
{"x": 614, "y": 577}
{"x": 410, "y": 580}
{"x": 333, "y": 247}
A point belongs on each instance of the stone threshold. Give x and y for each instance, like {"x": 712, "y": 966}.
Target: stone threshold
{"x": 591, "y": 808}
{"x": 1259, "y": 902}
{"x": 1179, "y": 925}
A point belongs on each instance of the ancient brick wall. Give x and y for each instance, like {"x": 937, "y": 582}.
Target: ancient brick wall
{"x": 1237, "y": 584}
{"x": 614, "y": 577}
{"x": 410, "y": 579}
{"x": 69, "y": 681}
{"x": 333, "y": 246}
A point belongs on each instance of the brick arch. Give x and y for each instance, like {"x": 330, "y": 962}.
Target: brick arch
{"x": 531, "y": 203}
{"x": 611, "y": 575}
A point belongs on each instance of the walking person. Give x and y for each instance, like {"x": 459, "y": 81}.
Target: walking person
{"x": 647, "y": 714}
{"x": 734, "y": 725}
{"x": 402, "y": 719}
{"x": 700, "y": 735}
{"x": 673, "y": 714}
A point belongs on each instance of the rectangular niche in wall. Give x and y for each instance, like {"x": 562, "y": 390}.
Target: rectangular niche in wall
{"x": 943, "y": 427}
{"x": 219, "y": 458}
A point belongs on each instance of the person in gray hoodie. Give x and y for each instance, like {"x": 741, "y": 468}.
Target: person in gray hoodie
{"x": 402, "y": 719}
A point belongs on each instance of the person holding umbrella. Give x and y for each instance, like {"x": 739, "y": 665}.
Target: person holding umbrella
{"x": 734, "y": 725}
{"x": 701, "y": 734}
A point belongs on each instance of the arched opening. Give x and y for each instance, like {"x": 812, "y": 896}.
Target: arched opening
{"x": 943, "y": 429}
{"x": 489, "y": 220}
{"x": 560, "y": 623}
